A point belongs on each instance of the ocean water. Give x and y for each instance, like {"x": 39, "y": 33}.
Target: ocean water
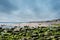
{"x": 9, "y": 24}
{"x": 12, "y": 22}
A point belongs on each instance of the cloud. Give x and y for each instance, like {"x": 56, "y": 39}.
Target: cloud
{"x": 29, "y": 10}
{"x": 6, "y": 6}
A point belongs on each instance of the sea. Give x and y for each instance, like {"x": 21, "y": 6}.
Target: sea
{"x": 9, "y": 24}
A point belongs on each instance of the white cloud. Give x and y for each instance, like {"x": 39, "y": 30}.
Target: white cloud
{"x": 29, "y": 11}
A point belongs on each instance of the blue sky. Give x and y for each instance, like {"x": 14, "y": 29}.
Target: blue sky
{"x": 29, "y": 10}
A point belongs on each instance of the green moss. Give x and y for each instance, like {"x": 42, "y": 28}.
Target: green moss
{"x": 40, "y": 33}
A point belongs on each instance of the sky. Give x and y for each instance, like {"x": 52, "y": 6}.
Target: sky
{"x": 29, "y": 10}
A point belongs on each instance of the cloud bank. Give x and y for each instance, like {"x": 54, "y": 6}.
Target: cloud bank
{"x": 29, "y": 10}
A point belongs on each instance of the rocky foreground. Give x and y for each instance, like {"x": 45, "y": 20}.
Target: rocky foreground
{"x": 26, "y": 33}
